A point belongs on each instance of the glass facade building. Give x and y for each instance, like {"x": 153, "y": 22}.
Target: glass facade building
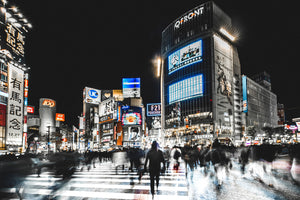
{"x": 262, "y": 106}
{"x": 201, "y": 91}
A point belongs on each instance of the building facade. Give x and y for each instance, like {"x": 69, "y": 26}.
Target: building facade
{"x": 14, "y": 79}
{"x": 200, "y": 77}
{"x": 259, "y": 106}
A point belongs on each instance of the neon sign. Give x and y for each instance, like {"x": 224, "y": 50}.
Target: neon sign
{"x": 49, "y": 103}
{"x": 188, "y": 17}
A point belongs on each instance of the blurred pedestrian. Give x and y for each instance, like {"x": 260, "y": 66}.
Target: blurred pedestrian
{"x": 155, "y": 158}
{"x": 167, "y": 156}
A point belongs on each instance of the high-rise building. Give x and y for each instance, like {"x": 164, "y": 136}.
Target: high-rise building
{"x": 14, "y": 78}
{"x": 200, "y": 77}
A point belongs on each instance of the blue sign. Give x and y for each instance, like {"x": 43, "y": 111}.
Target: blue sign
{"x": 245, "y": 98}
{"x": 186, "y": 89}
{"x": 131, "y": 87}
{"x": 190, "y": 54}
{"x": 131, "y": 83}
{"x": 93, "y": 94}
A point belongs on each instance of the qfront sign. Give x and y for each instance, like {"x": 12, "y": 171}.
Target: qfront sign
{"x": 191, "y": 15}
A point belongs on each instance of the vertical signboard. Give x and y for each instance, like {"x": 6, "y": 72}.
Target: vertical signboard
{"x": 2, "y": 115}
{"x": 131, "y": 87}
{"x": 15, "y": 116}
{"x": 223, "y": 57}
{"x": 245, "y": 98}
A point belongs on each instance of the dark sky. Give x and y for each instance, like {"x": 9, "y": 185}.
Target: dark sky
{"x": 95, "y": 43}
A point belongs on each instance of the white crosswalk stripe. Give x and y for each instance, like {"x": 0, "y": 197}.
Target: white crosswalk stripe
{"x": 101, "y": 182}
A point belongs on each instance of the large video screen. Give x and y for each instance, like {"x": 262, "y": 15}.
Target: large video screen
{"x": 186, "y": 89}
{"x": 185, "y": 56}
{"x": 131, "y": 115}
{"x": 132, "y": 119}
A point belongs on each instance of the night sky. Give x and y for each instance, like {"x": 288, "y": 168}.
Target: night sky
{"x": 74, "y": 44}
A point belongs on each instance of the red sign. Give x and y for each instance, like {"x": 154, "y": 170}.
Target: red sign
{"x": 30, "y": 109}
{"x": 60, "y": 117}
{"x": 26, "y": 83}
{"x": 2, "y": 115}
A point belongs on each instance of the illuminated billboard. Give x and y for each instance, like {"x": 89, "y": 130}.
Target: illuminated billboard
{"x": 186, "y": 89}
{"x": 190, "y": 54}
{"x": 245, "y": 98}
{"x": 131, "y": 115}
{"x": 60, "y": 117}
{"x": 107, "y": 107}
{"x": 153, "y": 109}
{"x": 91, "y": 95}
{"x": 13, "y": 40}
{"x": 14, "y": 123}
{"x": 131, "y": 87}
{"x": 30, "y": 109}
{"x": 132, "y": 119}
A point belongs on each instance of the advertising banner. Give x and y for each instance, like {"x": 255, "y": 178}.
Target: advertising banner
{"x": 186, "y": 89}
{"x": 131, "y": 115}
{"x": 92, "y": 95}
{"x": 224, "y": 84}
{"x": 107, "y": 107}
{"x": 245, "y": 98}
{"x": 2, "y": 115}
{"x": 13, "y": 40}
{"x": 30, "y": 109}
{"x": 153, "y": 109}
{"x": 131, "y": 87}
{"x": 185, "y": 56}
{"x": 118, "y": 95}
{"x": 60, "y": 117}
{"x": 15, "y": 104}
{"x": 155, "y": 122}
{"x": 105, "y": 94}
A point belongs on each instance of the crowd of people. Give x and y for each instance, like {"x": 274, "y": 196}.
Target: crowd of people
{"x": 213, "y": 158}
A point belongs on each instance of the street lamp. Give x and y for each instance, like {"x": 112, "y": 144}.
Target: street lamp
{"x": 158, "y": 60}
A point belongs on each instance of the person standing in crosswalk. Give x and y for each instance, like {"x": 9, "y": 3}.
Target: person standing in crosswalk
{"x": 155, "y": 158}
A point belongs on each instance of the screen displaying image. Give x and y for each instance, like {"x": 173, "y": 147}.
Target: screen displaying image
{"x": 186, "y": 89}
{"x": 132, "y": 119}
{"x": 153, "y": 109}
{"x": 185, "y": 56}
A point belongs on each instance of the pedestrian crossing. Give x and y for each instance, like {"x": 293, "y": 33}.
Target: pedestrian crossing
{"x": 101, "y": 182}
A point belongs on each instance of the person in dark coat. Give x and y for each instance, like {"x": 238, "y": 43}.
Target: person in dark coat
{"x": 155, "y": 158}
